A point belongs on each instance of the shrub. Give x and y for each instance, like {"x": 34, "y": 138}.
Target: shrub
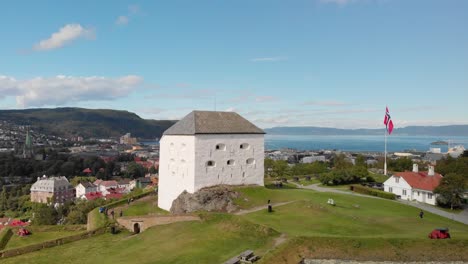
{"x": 5, "y": 236}
{"x": 373, "y": 192}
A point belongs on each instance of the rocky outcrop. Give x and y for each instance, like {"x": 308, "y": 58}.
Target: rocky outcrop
{"x": 218, "y": 199}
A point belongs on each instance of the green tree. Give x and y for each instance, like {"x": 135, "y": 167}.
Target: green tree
{"x": 281, "y": 168}
{"x": 134, "y": 170}
{"x": 450, "y": 190}
{"x": 340, "y": 162}
{"x": 4, "y": 199}
{"x": 268, "y": 165}
{"x": 44, "y": 215}
{"x": 361, "y": 161}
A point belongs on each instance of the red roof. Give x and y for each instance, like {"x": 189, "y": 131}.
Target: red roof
{"x": 93, "y": 195}
{"x": 87, "y": 170}
{"x": 18, "y": 222}
{"x": 420, "y": 180}
{"x": 114, "y": 196}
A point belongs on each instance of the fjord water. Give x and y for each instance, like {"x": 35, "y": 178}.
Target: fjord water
{"x": 360, "y": 143}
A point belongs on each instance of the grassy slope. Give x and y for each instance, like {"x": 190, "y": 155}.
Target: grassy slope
{"x": 315, "y": 228}
{"x": 144, "y": 207}
{"x": 42, "y": 233}
{"x": 211, "y": 241}
{"x": 363, "y": 249}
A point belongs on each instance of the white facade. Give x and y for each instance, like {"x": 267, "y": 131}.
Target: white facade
{"x": 192, "y": 162}
{"x": 399, "y": 186}
{"x": 81, "y": 189}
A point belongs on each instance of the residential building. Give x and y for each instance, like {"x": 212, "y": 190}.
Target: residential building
{"x": 124, "y": 184}
{"x": 52, "y": 190}
{"x": 208, "y": 148}
{"x": 105, "y": 186}
{"x": 85, "y": 187}
{"x": 414, "y": 185}
{"x": 127, "y": 139}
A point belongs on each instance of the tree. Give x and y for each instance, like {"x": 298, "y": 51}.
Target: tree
{"x": 340, "y": 162}
{"x": 268, "y": 165}
{"x": 44, "y": 215}
{"x": 280, "y": 168}
{"x": 451, "y": 190}
{"x": 361, "y": 161}
{"x": 134, "y": 170}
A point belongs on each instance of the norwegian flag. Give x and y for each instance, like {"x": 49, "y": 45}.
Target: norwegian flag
{"x": 388, "y": 121}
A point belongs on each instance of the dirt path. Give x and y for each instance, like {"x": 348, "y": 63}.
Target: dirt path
{"x": 258, "y": 208}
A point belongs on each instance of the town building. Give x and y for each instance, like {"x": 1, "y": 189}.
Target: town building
{"x": 208, "y": 148}
{"x": 52, "y": 190}
{"x": 127, "y": 139}
{"x": 85, "y": 187}
{"x": 414, "y": 185}
{"x": 106, "y": 187}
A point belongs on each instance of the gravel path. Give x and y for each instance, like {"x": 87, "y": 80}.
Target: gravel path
{"x": 262, "y": 207}
{"x": 462, "y": 217}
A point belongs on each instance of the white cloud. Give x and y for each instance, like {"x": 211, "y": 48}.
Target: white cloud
{"x": 64, "y": 36}
{"x": 121, "y": 20}
{"x": 132, "y": 11}
{"x": 325, "y": 103}
{"x": 269, "y": 59}
{"x": 8, "y": 86}
{"x": 231, "y": 109}
{"x": 61, "y": 90}
{"x": 265, "y": 99}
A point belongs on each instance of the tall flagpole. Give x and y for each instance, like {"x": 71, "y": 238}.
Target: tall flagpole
{"x": 385, "y": 157}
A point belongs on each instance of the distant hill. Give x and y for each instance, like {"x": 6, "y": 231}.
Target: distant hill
{"x": 453, "y": 130}
{"x": 97, "y": 123}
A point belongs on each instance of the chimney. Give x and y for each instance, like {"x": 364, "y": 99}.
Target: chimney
{"x": 415, "y": 167}
{"x": 431, "y": 171}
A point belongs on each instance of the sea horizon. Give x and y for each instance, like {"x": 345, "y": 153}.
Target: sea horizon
{"x": 361, "y": 143}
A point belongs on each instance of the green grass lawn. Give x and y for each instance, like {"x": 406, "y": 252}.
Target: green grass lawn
{"x": 352, "y": 216}
{"x": 146, "y": 206}
{"x": 42, "y": 233}
{"x": 214, "y": 240}
{"x": 356, "y": 228}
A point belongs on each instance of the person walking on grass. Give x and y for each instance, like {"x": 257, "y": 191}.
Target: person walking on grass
{"x": 421, "y": 214}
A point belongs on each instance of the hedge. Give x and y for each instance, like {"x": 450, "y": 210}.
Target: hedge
{"x": 5, "y": 236}
{"x": 371, "y": 191}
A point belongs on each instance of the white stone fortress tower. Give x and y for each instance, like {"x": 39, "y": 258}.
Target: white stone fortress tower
{"x": 208, "y": 148}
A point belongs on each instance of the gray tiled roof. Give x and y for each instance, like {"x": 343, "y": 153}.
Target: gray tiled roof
{"x": 87, "y": 184}
{"x": 51, "y": 184}
{"x": 211, "y": 122}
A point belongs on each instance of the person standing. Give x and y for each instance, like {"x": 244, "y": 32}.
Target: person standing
{"x": 421, "y": 214}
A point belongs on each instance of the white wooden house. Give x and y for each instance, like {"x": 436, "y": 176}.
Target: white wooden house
{"x": 414, "y": 185}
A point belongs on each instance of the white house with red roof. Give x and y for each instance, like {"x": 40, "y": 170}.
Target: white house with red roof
{"x": 414, "y": 185}
{"x": 105, "y": 186}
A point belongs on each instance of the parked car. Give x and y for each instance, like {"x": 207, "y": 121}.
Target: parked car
{"x": 439, "y": 233}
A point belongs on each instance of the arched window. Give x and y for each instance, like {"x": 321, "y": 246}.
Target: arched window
{"x": 220, "y": 146}
{"x": 210, "y": 163}
{"x": 231, "y": 162}
{"x": 250, "y": 161}
{"x": 244, "y": 146}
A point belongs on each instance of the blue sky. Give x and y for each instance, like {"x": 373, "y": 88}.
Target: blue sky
{"x": 332, "y": 63}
